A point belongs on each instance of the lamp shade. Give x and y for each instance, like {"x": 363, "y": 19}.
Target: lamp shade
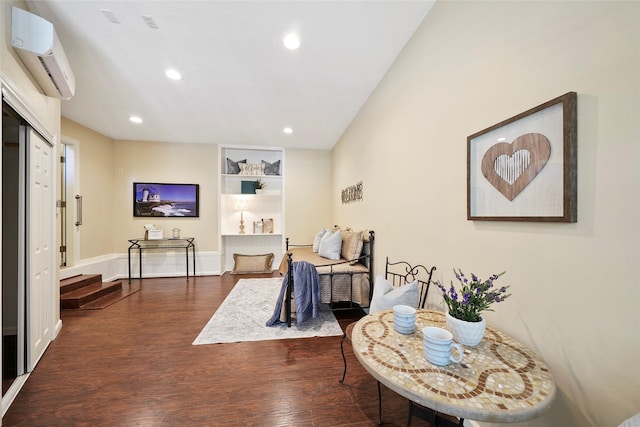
{"x": 242, "y": 205}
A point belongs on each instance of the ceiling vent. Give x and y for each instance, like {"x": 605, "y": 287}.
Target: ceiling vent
{"x": 37, "y": 44}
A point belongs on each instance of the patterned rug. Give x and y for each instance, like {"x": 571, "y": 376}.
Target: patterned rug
{"x": 243, "y": 314}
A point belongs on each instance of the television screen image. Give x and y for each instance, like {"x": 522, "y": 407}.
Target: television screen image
{"x": 165, "y": 200}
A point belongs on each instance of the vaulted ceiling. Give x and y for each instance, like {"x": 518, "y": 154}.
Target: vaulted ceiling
{"x": 239, "y": 84}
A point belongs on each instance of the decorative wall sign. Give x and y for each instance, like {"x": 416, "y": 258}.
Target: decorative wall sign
{"x": 524, "y": 168}
{"x": 352, "y": 193}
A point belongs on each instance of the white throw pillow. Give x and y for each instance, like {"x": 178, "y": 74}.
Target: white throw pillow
{"x": 316, "y": 240}
{"x": 331, "y": 245}
{"x": 385, "y": 296}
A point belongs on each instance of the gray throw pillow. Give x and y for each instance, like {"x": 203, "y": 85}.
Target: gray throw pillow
{"x": 233, "y": 168}
{"x": 330, "y": 245}
{"x": 385, "y": 295}
{"x": 271, "y": 168}
{"x": 318, "y": 238}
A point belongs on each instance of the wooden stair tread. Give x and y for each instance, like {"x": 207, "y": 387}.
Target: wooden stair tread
{"x": 86, "y": 294}
{"x": 88, "y": 291}
{"x": 111, "y": 298}
{"x": 73, "y": 283}
{"x": 92, "y": 289}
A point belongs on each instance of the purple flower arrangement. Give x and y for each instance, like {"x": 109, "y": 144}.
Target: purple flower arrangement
{"x": 474, "y": 297}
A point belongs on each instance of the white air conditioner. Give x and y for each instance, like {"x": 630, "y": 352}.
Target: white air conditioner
{"x": 35, "y": 40}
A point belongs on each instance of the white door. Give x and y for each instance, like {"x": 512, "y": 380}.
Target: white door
{"x": 40, "y": 247}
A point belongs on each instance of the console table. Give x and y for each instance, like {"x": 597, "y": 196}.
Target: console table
{"x": 185, "y": 243}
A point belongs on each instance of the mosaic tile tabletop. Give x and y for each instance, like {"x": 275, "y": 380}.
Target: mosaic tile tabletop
{"x": 500, "y": 380}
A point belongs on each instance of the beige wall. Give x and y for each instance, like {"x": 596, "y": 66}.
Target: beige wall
{"x": 138, "y": 161}
{"x": 96, "y": 157}
{"x": 307, "y": 193}
{"x": 575, "y": 286}
{"x": 108, "y": 169}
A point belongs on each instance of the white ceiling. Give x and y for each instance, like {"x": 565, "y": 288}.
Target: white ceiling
{"x": 240, "y": 85}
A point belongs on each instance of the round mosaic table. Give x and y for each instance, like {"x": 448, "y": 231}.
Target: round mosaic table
{"x": 500, "y": 380}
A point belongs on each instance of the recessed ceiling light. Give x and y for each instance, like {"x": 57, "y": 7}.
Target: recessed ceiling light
{"x": 135, "y": 119}
{"x": 173, "y": 74}
{"x": 287, "y": 130}
{"x": 291, "y": 41}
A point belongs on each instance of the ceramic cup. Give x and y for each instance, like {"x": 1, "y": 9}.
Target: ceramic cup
{"x": 437, "y": 344}
{"x": 404, "y": 319}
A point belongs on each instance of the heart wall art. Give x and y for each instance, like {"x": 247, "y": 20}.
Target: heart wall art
{"x": 524, "y": 168}
{"x": 510, "y": 167}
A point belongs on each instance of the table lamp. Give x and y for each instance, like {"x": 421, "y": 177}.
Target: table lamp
{"x": 242, "y": 205}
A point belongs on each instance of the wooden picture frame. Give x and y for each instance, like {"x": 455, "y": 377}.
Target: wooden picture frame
{"x": 264, "y": 226}
{"x": 267, "y": 225}
{"x": 525, "y": 168}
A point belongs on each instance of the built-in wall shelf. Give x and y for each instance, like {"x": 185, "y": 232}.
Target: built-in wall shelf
{"x": 236, "y": 200}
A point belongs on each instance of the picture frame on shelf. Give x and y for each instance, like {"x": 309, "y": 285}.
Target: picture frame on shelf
{"x": 267, "y": 225}
{"x": 248, "y": 187}
{"x": 154, "y": 235}
{"x": 525, "y": 168}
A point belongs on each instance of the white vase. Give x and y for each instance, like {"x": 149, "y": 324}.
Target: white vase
{"x": 466, "y": 333}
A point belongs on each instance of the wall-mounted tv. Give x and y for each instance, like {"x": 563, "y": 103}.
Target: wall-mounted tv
{"x": 165, "y": 200}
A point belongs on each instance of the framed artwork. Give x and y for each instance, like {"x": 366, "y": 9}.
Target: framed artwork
{"x": 263, "y": 226}
{"x": 525, "y": 168}
{"x": 165, "y": 200}
{"x": 267, "y": 225}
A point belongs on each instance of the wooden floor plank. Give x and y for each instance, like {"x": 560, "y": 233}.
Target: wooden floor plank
{"x": 132, "y": 364}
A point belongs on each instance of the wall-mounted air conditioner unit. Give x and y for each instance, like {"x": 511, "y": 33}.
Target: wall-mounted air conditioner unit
{"x": 35, "y": 40}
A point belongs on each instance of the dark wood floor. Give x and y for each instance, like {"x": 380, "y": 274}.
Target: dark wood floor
{"x": 132, "y": 364}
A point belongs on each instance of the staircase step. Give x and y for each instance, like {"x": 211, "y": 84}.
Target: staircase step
{"x": 86, "y": 294}
{"x": 71, "y": 284}
{"x": 111, "y": 298}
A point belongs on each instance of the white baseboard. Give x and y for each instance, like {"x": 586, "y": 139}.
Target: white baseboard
{"x": 105, "y": 265}
{"x": 57, "y": 329}
{"x": 11, "y": 394}
{"x": 154, "y": 264}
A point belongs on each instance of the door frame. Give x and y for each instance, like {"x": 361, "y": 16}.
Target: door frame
{"x": 71, "y": 208}
{"x": 12, "y": 96}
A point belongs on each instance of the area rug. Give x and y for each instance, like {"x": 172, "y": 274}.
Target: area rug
{"x": 243, "y": 314}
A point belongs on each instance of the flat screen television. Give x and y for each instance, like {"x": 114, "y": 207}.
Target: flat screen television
{"x": 151, "y": 199}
